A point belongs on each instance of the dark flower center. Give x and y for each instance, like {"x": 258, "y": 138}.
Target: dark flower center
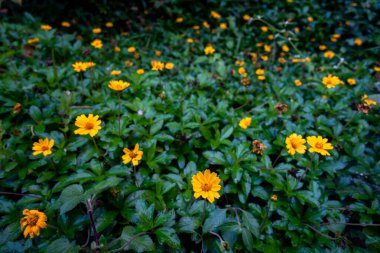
{"x": 89, "y": 125}
{"x": 206, "y": 187}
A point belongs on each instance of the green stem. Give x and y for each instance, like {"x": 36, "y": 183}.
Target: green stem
{"x": 119, "y": 112}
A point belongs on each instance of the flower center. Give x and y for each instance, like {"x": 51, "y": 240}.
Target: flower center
{"x": 32, "y": 219}
{"x": 319, "y": 145}
{"x": 132, "y": 155}
{"x": 44, "y": 148}
{"x": 206, "y": 187}
{"x": 89, "y": 125}
{"x": 294, "y": 144}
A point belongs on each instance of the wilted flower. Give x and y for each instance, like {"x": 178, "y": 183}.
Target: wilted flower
{"x": 128, "y": 63}
{"x": 281, "y": 108}
{"x": 17, "y": 108}
{"x": 245, "y": 123}
{"x": 364, "y": 108}
{"x": 33, "y": 221}
{"x": 319, "y": 145}
{"x": 245, "y": 81}
{"x": 97, "y": 43}
{"x": 258, "y": 147}
{"x": 294, "y": 143}
{"x": 118, "y": 85}
{"x": 87, "y": 125}
{"x": 207, "y": 185}
{"x": 43, "y": 146}
{"x": 134, "y": 155}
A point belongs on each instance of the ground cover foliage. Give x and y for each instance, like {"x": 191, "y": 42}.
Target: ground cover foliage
{"x": 220, "y": 86}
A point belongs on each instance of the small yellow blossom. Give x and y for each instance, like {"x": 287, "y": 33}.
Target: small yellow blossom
{"x": 358, "y": 42}
{"x": 97, "y": 30}
{"x": 215, "y": 15}
{"x": 131, "y": 49}
{"x": 189, "y": 40}
{"x": 157, "y": 53}
{"x": 331, "y": 81}
{"x": 310, "y": 19}
{"x": 264, "y": 57}
{"x": 368, "y": 101}
{"x": 246, "y": 17}
{"x": 140, "y": 71}
{"x": 97, "y": 44}
{"x": 179, "y": 20}
{"x": 209, "y": 50}
{"x": 207, "y": 185}
{"x": 266, "y": 48}
{"x": 245, "y": 123}
{"x": 33, "y": 221}
{"x": 134, "y": 155}
{"x": 118, "y": 85}
{"x": 294, "y": 143}
{"x": 297, "y": 82}
{"x": 329, "y": 54}
{"x": 274, "y": 198}
{"x": 87, "y": 125}
{"x": 264, "y": 29}
{"x": 223, "y": 26}
{"x": 33, "y": 41}
{"x": 43, "y": 146}
{"x": 65, "y": 24}
{"x": 260, "y": 72}
{"x": 169, "y": 65}
{"x": 128, "y": 63}
{"x": 157, "y": 65}
{"x": 285, "y": 48}
{"x": 115, "y": 72}
{"x": 351, "y": 81}
{"x": 319, "y": 145}
{"x": 322, "y": 47}
{"x": 46, "y": 27}
{"x": 109, "y": 24}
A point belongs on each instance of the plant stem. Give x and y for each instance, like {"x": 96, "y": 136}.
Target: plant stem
{"x": 89, "y": 211}
{"x": 130, "y": 240}
{"x": 265, "y": 218}
{"x": 119, "y": 112}
{"x": 97, "y": 151}
{"x": 21, "y": 194}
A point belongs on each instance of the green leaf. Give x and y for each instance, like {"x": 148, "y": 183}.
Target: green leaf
{"x": 157, "y": 125}
{"x": 62, "y": 246}
{"x": 168, "y": 236}
{"x": 70, "y": 197}
{"x": 215, "y": 157}
{"x": 141, "y": 243}
{"x": 215, "y": 219}
{"x": 226, "y": 132}
{"x": 251, "y": 223}
{"x": 247, "y": 239}
{"x": 35, "y": 113}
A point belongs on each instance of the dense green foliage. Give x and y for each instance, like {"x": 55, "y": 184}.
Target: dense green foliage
{"x": 186, "y": 120}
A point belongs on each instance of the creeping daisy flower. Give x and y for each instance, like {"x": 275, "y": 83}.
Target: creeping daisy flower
{"x": 245, "y": 123}
{"x": 134, "y": 155}
{"x": 97, "y": 43}
{"x": 32, "y": 222}
{"x": 88, "y": 125}
{"x": 46, "y": 27}
{"x": 207, "y": 185}
{"x": 209, "y": 50}
{"x": 331, "y": 81}
{"x": 157, "y": 65}
{"x": 319, "y": 145}
{"x": 118, "y": 85}
{"x": 294, "y": 143}
{"x": 43, "y": 146}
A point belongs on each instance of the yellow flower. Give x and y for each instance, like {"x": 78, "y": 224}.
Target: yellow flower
{"x": 65, "y": 24}
{"x": 215, "y": 15}
{"x": 261, "y": 78}
{"x": 131, "y": 49}
{"x": 43, "y": 146}
{"x": 109, "y": 24}
{"x": 157, "y": 65}
{"x": 294, "y": 143}
{"x": 46, "y": 27}
{"x": 34, "y": 40}
{"x": 368, "y": 101}
{"x": 115, "y": 72}
{"x": 140, "y": 71}
{"x": 260, "y": 72}
{"x": 209, "y": 50}
{"x": 118, "y": 85}
{"x": 351, "y": 81}
{"x": 322, "y": 47}
{"x": 310, "y": 19}
{"x": 264, "y": 29}
{"x": 331, "y": 81}
{"x": 169, "y": 65}
{"x": 79, "y": 66}
{"x": 189, "y": 40}
{"x": 319, "y": 145}
{"x": 264, "y": 57}
{"x": 358, "y": 42}
{"x": 97, "y": 30}
{"x": 97, "y": 43}
{"x": 241, "y": 71}
{"x": 270, "y": 37}
{"x": 206, "y": 24}
{"x": 128, "y": 63}
{"x": 87, "y": 125}
{"x": 296, "y": 30}
{"x": 179, "y": 20}
{"x": 285, "y": 48}
{"x": 32, "y": 222}
{"x": 240, "y": 63}
{"x": 223, "y": 26}
{"x": 377, "y": 69}
{"x": 116, "y": 49}
{"x": 259, "y": 44}
{"x": 245, "y": 123}
{"x": 89, "y": 64}
{"x": 266, "y": 48}
{"x": 297, "y": 82}
{"x": 207, "y": 185}
{"x": 196, "y": 27}
{"x": 157, "y": 53}
{"x": 274, "y": 198}
{"x": 329, "y": 54}
{"x": 246, "y": 17}
{"x": 132, "y": 155}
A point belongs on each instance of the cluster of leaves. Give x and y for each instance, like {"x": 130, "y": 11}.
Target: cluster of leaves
{"x": 186, "y": 120}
